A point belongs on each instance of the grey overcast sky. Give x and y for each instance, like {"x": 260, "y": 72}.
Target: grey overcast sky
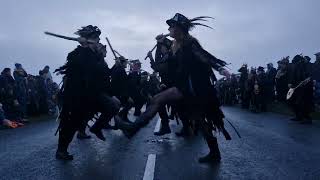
{"x": 247, "y": 31}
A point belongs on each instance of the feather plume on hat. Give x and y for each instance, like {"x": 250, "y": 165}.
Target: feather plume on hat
{"x": 186, "y": 23}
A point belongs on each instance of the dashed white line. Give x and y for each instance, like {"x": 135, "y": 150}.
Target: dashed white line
{"x": 150, "y": 167}
{"x": 157, "y": 128}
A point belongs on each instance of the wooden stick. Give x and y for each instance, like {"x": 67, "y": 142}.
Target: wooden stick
{"x": 111, "y": 48}
{"x": 154, "y": 47}
{"x": 151, "y": 51}
{"x": 118, "y": 53}
{"x": 66, "y": 37}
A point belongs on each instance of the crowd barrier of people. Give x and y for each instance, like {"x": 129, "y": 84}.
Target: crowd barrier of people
{"x": 23, "y": 95}
{"x": 257, "y": 88}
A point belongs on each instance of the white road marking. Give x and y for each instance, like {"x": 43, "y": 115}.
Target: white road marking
{"x": 157, "y": 128}
{"x": 150, "y": 166}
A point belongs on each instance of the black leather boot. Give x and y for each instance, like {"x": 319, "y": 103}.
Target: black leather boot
{"x": 164, "y": 129}
{"x": 210, "y": 158}
{"x": 128, "y": 129}
{"x": 124, "y": 116}
{"x": 63, "y": 155}
{"x": 83, "y": 135}
{"x": 137, "y": 112}
{"x": 97, "y": 130}
{"x": 214, "y": 154}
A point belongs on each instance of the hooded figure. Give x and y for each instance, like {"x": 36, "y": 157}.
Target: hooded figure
{"x": 46, "y": 73}
{"x": 20, "y": 75}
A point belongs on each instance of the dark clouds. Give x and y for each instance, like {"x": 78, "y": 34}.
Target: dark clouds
{"x": 255, "y": 32}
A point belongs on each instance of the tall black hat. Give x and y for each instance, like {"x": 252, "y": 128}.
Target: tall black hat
{"x": 260, "y": 68}
{"x": 307, "y": 58}
{"x": 5, "y": 70}
{"x": 185, "y": 23}
{"x": 88, "y": 31}
{"x": 298, "y": 58}
{"x": 17, "y": 65}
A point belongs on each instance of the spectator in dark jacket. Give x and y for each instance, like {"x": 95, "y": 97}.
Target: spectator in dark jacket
{"x": 316, "y": 77}
{"x": 302, "y": 100}
{"x": 282, "y": 79}
{"x": 11, "y": 105}
{"x": 43, "y": 93}
{"x": 270, "y": 82}
{"x": 20, "y": 76}
{"x": 53, "y": 89}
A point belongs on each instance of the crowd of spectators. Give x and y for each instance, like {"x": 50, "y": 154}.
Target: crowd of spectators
{"x": 256, "y": 88}
{"x": 23, "y": 95}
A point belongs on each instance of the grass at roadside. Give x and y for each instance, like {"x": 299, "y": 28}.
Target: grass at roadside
{"x": 282, "y": 108}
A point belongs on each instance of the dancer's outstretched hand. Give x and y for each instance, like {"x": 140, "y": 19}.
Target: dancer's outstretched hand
{"x": 160, "y": 37}
{"x": 149, "y": 55}
{"x": 224, "y": 72}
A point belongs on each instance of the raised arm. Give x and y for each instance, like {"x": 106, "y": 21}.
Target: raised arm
{"x": 207, "y": 58}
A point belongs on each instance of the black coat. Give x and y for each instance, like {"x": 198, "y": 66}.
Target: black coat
{"x": 86, "y": 77}
{"x": 193, "y": 70}
{"x": 119, "y": 81}
{"x": 134, "y": 84}
{"x": 299, "y": 71}
{"x": 161, "y": 65}
{"x": 7, "y": 88}
{"x": 271, "y": 74}
{"x": 193, "y": 76}
{"x": 316, "y": 71}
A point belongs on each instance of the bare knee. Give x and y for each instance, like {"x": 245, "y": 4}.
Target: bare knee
{"x": 155, "y": 100}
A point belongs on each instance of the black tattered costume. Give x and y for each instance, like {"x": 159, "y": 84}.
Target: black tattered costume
{"x": 192, "y": 85}
{"x": 86, "y": 90}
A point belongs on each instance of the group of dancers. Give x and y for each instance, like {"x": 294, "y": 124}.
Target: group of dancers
{"x": 90, "y": 88}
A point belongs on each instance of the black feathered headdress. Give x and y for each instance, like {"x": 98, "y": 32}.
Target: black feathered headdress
{"x": 88, "y": 31}
{"x": 187, "y": 24}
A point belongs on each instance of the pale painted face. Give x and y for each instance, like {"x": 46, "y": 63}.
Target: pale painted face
{"x": 95, "y": 39}
{"x": 172, "y": 31}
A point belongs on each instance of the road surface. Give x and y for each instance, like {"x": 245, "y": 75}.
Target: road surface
{"x": 271, "y": 147}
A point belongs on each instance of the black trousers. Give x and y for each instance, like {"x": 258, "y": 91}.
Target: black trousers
{"x": 302, "y": 102}
{"x": 76, "y": 119}
{"x": 139, "y": 101}
{"x": 163, "y": 115}
{"x": 126, "y": 105}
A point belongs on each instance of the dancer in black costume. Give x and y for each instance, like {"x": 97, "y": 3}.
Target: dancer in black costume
{"x": 85, "y": 91}
{"x": 192, "y": 83}
{"x": 160, "y": 64}
{"x": 120, "y": 86}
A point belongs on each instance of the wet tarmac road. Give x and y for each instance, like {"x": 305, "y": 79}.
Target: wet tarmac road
{"x": 270, "y": 148}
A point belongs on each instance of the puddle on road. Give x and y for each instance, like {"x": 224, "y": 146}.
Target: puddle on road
{"x": 161, "y": 140}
